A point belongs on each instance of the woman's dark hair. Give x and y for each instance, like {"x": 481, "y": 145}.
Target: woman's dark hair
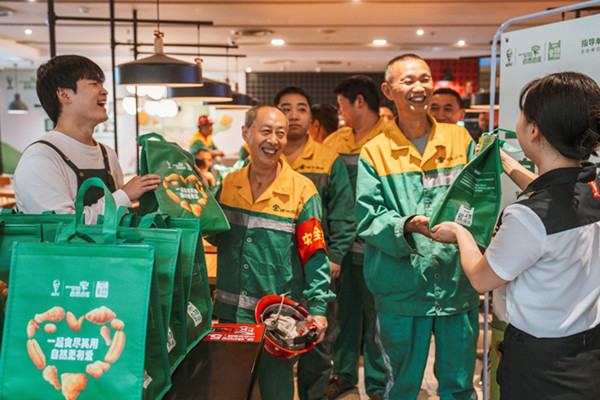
{"x": 63, "y": 72}
{"x": 566, "y": 108}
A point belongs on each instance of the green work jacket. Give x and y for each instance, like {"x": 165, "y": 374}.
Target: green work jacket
{"x": 342, "y": 142}
{"x": 275, "y": 245}
{"x": 410, "y": 274}
{"x": 327, "y": 171}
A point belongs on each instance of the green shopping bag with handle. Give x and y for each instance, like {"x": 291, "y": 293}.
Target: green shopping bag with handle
{"x": 181, "y": 193}
{"x": 166, "y": 244}
{"x": 9, "y": 234}
{"x": 49, "y": 220}
{"x": 193, "y": 322}
{"x": 473, "y": 200}
{"x": 176, "y": 335}
{"x": 73, "y": 327}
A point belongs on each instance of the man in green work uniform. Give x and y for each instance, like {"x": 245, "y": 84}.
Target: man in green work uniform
{"x": 418, "y": 284}
{"x": 275, "y": 245}
{"x": 358, "y": 100}
{"x": 327, "y": 171}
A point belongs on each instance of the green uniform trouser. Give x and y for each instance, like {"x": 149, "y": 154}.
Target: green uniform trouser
{"x": 275, "y": 376}
{"x": 405, "y": 344}
{"x": 355, "y": 329}
{"x": 314, "y": 366}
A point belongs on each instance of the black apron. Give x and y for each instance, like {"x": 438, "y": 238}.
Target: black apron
{"x": 94, "y": 193}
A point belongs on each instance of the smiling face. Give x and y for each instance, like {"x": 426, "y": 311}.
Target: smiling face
{"x": 266, "y": 137}
{"x": 296, "y": 109}
{"x": 445, "y": 108}
{"x": 410, "y": 86}
{"x": 89, "y": 102}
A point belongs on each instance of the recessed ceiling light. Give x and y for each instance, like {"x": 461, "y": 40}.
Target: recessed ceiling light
{"x": 277, "y": 42}
{"x": 248, "y": 70}
{"x": 28, "y": 31}
{"x": 420, "y": 32}
{"x": 379, "y": 42}
{"x": 461, "y": 42}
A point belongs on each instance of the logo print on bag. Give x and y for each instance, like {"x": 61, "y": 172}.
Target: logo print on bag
{"x": 192, "y": 198}
{"x": 67, "y": 348}
{"x": 56, "y": 286}
{"x": 464, "y": 216}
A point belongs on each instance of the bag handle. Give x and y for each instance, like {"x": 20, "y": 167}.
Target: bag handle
{"x": 503, "y": 144}
{"x": 125, "y": 215}
{"x": 109, "y": 227}
{"x": 153, "y": 219}
{"x": 141, "y": 139}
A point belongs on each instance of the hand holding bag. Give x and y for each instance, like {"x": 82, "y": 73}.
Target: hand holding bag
{"x": 181, "y": 192}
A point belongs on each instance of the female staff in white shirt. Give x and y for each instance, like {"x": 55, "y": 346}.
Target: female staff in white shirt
{"x": 547, "y": 248}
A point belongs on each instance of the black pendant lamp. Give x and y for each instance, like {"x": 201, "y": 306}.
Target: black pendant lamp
{"x": 159, "y": 69}
{"x": 17, "y": 106}
{"x": 211, "y": 91}
{"x": 240, "y": 101}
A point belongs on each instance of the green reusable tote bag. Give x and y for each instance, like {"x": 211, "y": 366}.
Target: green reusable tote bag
{"x": 175, "y": 334}
{"x": 181, "y": 193}
{"x": 473, "y": 199}
{"x": 76, "y": 318}
{"x": 50, "y": 221}
{"x": 166, "y": 243}
{"x": 9, "y": 234}
{"x": 197, "y": 299}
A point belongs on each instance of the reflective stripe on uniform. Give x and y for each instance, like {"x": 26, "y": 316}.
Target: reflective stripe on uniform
{"x": 322, "y": 180}
{"x": 350, "y": 159}
{"x": 237, "y": 300}
{"x": 252, "y": 222}
{"x": 357, "y": 248}
{"x": 442, "y": 178}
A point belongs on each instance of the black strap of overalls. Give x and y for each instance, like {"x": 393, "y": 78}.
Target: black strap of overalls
{"x": 94, "y": 193}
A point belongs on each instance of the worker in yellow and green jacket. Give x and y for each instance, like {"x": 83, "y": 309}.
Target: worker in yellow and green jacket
{"x": 418, "y": 284}
{"x": 327, "y": 171}
{"x": 358, "y": 101}
{"x": 275, "y": 244}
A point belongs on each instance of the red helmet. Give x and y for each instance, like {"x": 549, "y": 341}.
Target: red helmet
{"x": 204, "y": 120}
{"x": 277, "y": 311}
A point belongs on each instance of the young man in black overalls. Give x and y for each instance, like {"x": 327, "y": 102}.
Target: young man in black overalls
{"x": 52, "y": 169}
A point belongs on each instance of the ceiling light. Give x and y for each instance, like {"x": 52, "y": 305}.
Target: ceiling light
{"x": 28, "y": 31}
{"x": 461, "y": 43}
{"x": 159, "y": 69}
{"x": 379, "y": 42}
{"x": 240, "y": 101}
{"x": 420, "y": 32}
{"x": 277, "y": 42}
{"x": 248, "y": 70}
{"x": 129, "y": 105}
{"x": 17, "y": 106}
{"x": 210, "y": 91}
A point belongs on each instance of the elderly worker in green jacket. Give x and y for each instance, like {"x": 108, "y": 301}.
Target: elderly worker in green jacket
{"x": 275, "y": 245}
{"x": 418, "y": 284}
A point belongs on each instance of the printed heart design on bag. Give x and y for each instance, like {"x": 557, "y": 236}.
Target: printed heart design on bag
{"x": 77, "y": 349}
{"x": 180, "y": 193}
